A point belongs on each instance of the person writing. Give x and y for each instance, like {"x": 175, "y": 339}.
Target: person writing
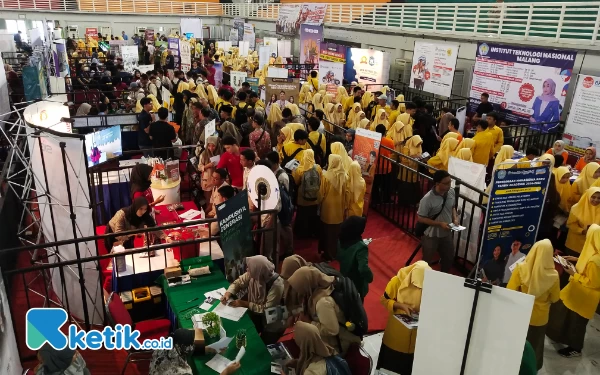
{"x": 402, "y": 295}
{"x": 332, "y": 195}
{"x": 579, "y": 299}
{"x": 353, "y": 254}
{"x": 537, "y": 276}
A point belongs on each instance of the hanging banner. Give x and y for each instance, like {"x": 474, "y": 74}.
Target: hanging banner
{"x": 236, "y": 234}
{"x": 237, "y": 78}
{"x": 91, "y": 32}
{"x": 583, "y": 116}
{"x": 285, "y": 89}
{"x": 310, "y": 44}
{"x": 333, "y": 52}
{"x": 370, "y": 66}
{"x": 185, "y": 56}
{"x": 312, "y": 14}
{"x": 253, "y": 84}
{"x": 366, "y": 151}
{"x": 174, "y": 48}
{"x": 528, "y": 84}
{"x": 433, "y": 67}
{"x": 238, "y": 26}
{"x": 249, "y": 35}
{"x": 514, "y": 209}
{"x": 331, "y": 72}
{"x": 287, "y": 20}
{"x": 130, "y": 57}
{"x": 149, "y": 35}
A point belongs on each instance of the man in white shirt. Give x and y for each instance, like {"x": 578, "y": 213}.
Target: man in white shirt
{"x": 512, "y": 258}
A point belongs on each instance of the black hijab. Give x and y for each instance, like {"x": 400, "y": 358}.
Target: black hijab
{"x": 134, "y": 219}
{"x": 351, "y": 231}
{"x": 140, "y": 178}
{"x": 56, "y": 361}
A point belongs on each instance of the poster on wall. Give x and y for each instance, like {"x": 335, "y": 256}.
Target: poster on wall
{"x": 91, "y": 32}
{"x": 370, "y": 66}
{"x": 284, "y": 89}
{"x": 237, "y": 78}
{"x": 433, "y": 67}
{"x": 513, "y": 213}
{"x": 331, "y": 72}
{"x": 115, "y": 47}
{"x": 333, "y": 52}
{"x": 253, "y": 83}
{"x": 130, "y": 57}
{"x": 365, "y": 151}
{"x": 312, "y": 14}
{"x": 236, "y": 234}
{"x": 287, "y": 20}
{"x": 528, "y": 84}
{"x": 185, "y": 55}
{"x": 582, "y": 129}
{"x": 310, "y": 44}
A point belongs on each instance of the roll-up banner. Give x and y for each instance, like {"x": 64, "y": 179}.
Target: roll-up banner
{"x": 528, "y": 84}
{"x": 310, "y": 44}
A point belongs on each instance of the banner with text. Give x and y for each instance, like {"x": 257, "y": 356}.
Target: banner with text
{"x": 333, "y": 52}
{"x": 370, "y": 66}
{"x": 528, "y": 84}
{"x": 185, "y": 55}
{"x": 287, "y": 21}
{"x": 310, "y": 44}
{"x": 283, "y": 89}
{"x": 433, "y": 67}
{"x": 236, "y": 234}
{"x": 514, "y": 208}
{"x": 237, "y": 78}
{"x": 331, "y": 72}
{"x": 312, "y": 13}
{"x": 174, "y": 48}
{"x": 238, "y": 26}
{"x": 366, "y": 151}
{"x": 583, "y": 116}
{"x": 91, "y": 32}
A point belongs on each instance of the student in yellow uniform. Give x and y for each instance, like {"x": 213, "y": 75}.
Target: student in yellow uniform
{"x": 466, "y": 143}
{"x": 353, "y": 115}
{"x": 583, "y": 214}
{"x": 349, "y": 101}
{"x": 579, "y": 299}
{"x": 356, "y": 189}
{"x": 339, "y": 149}
{"x": 332, "y": 194}
{"x": 530, "y": 154}
{"x": 381, "y": 118}
{"x": 313, "y": 81}
{"x": 563, "y": 187}
{"x": 584, "y": 181}
{"x": 381, "y": 105}
{"x": 493, "y": 121}
{"x": 465, "y": 154}
{"x": 411, "y": 191}
{"x": 285, "y": 136}
{"x": 394, "y": 112}
{"x": 366, "y": 99}
{"x": 308, "y": 198}
{"x": 504, "y": 156}
{"x": 293, "y": 150}
{"x": 483, "y": 150}
{"x": 402, "y": 296}
{"x": 441, "y": 159}
{"x": 399, "y": 132}
{"x": 342, "y": 95}
{"x": 538, "y": 277}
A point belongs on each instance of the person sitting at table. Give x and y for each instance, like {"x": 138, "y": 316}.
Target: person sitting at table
{"x": 140, "y": 181}
{"x": 588, "y": 157}
{"x": 264, "y": 290}
{"x": 588, "y": 176}
{"x": 175, "y": 362}
{"x": 312, "y": 289}
{"x": 129, "y": 218}
{"x": 207, "y": 167}
{"x": 559, "y": 149}
{"x": 219, "y": 179}
{"x": 314, "y": 353}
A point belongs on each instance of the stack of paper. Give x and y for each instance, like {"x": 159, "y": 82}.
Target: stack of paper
{"x": 410, "y": 322}
{"x": 220, "y": 363}
{"x": 216, "y": 294}
{"x": 228, "y": 312}
{"x": 190, "y": 214}
{"x": 197, "y": 321}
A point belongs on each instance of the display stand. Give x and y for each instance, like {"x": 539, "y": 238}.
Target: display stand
{"x": 479, "y": 286}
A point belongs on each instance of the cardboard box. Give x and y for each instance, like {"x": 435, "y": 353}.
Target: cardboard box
{"x": 199, "y": 342}
{"x": 172, "y": 272}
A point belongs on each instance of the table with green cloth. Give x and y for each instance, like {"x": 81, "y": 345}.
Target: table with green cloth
{"x": 257, "y": 359}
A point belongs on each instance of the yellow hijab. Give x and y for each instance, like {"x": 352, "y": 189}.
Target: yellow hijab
{"x": 338, "y": 149}
{"x": 335, "y": 173}
{"x": 305, "y": 95}
{"x": 155, "y": 104}
{"x": 357, "y": 182}
{"x": 564, "y": 190}
{"x": 450, "y": 135}
{"x": 399, "y": 132}
{"x": 411, "y": 284}
{"x": 465, "y": 154}
{"x": 414, "y": 145}
{"x": 537, "y": 271}
{"x": 327, "y": 99}
{"x": 183, "y": 86}
{"x": 377, "y": 120}
{"x": 402, "y": 106}
{"x": 308, "y": 161}
{"x": 212, "y": 95}
{"x": 288, "y": 134}
{"x": 317, "y": 101}
{"x": 586, "y": 178}
{"x": 583, "y": 210}
{"x": 547, "y": 157}
{"x": 467, "y": 143}
{"x": 406, "y": 119}
{"x": 295, "y": 126}
{"x": 366, "y": 99}
{"x": 294, "y": 108}
{"x": 274, "y": 114}
{"x": 353, "y": 116}
{"x": 342, "y": 94}
{"x": 446, "y": 150}
{"x": 201, "y": 91}
{"x": 505, "y": 154}
{"x": 591, "y": 249}
{"x": 363, "y": 124}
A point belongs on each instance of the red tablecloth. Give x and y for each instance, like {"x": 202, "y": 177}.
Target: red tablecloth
{"x": 163, "y": 215}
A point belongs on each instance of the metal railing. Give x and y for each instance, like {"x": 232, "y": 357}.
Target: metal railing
{"x": 566, "y": 22}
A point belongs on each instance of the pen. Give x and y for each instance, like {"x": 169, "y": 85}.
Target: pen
{"x": 192, "y": 300}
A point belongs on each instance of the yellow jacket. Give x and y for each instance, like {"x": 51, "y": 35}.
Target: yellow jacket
{"x": 393, "y": 115}
{"x": 541, "y": 305}
{"x": 314, "y": 138}
{"x": 397, "y": 337}
{"x": 497, "y": 136}
{"x": 291, "y": 147}
{"x": 582, "y": 294}
{"x": 332, "y": 203}
{"x": 483, "y": 150}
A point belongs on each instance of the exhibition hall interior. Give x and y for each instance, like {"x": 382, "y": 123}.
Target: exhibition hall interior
{"x": 262, "y": 187}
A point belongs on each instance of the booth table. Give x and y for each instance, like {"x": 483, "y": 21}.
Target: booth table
{"x": 256, "y": 361}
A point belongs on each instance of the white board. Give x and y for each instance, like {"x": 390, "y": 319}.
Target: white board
{"x": 244, "y": 47}
{"x": 499, "y": 329}
{"x": 272, "y": 43}
{"x": 582, "y": 129}
{"x": 185, "y": 56}
{"x": 433, "y": 67}
{"x": 274, "y": 72}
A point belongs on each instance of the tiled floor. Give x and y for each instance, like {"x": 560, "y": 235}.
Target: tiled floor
{"x": 587, "y": 364}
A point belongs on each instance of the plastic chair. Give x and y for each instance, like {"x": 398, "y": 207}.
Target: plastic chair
{"x": 149, "y": 329}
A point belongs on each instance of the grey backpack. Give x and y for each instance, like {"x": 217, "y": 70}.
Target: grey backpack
{"x": 311, "y": 184}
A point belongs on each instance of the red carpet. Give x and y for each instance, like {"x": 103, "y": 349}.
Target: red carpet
{"x": 388, "y": 252}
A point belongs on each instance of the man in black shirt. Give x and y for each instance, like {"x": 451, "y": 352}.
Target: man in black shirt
{"x": 162, "y": 134}
{"x": 425, "y": 126}
{"x": 170, "y": 61}
{"x": 144, "y": 120}
{"x": 484, "y": 107}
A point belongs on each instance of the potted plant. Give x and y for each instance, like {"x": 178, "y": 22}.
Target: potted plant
{"x": 212, "y": 322}
{"x": 240, "y": 338}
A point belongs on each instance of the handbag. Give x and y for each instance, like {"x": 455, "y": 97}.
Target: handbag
{"x": 420, "y": 228}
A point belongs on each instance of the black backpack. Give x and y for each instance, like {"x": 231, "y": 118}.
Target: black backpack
{"x": 241, "y": 115}
{"x": 319, "y": 153}
{"x": 346, "y": 296}
{"x": 286, "y": 214}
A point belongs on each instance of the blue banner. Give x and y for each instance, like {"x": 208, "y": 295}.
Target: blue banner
{"x": 514, "y": 209}
{"x": 528, "y": 84}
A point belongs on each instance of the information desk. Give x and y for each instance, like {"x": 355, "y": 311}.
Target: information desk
{"x": 142, "y": 270}
{"x": 256, "y": 361}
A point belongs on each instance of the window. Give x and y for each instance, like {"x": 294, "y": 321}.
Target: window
{"x": 11, "y": 26}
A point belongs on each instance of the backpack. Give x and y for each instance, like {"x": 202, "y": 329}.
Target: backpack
{"x": 336, "y": 365}
{"x": 319, "y": 153}
{"x": 311, "y": 185}
{"x": 347, "y": 298}
{"x": 241, "y": 115}
{"x": 286, "y": 213}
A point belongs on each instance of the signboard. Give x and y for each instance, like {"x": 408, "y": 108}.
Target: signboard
{"x": 264, "y": 55}
{"x": 185, "y": 55}
{"x": 130, "y": 57}
{"x": 582, "y": 129}
{"x": 91, "y": 32}
{"x": 331, "y": 72}
{"x": 174, "y": 47}
{"x": 514, "y": 209}
{"x": 275, "y": 72}
{"x": 284, "y": 48}
{"x": 249, "y": 35}
{"x": 237, "y": 78}
{"x": 370, "y": 66}
{"x": 529, "y": 84}
{"x": 366, "y": 151}
{"x": 333, "y": 52}
{"x": 283, "y": 89}
{"x": 253, "y": 83}
{"x": 244, "y": 48}
{"x": 433, "y": 67}
{"x": 272, "y": 44}
{"x": 287, "y": 20}
{"x": 310, "y": 44}
{"x": 236, "y": 234}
